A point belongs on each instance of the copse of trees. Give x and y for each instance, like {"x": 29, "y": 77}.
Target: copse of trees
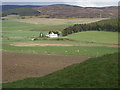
{"x": 104, "y": 25}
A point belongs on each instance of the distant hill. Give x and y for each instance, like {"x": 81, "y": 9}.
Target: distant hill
{"x": 21, "y": 11}
{"x": 7, "y": 7}
{"x": 61, "y": 10}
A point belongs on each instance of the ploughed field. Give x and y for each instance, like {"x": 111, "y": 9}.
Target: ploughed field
{"x": 17, "y": 66}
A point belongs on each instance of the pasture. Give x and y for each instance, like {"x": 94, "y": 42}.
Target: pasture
{"x": 17, "y": 32}
{"x": 96, "y": 37}
{"x": 55, "y": 21}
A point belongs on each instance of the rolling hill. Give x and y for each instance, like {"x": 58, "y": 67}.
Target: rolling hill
{"x": 7, "y": 7}
{"x": 61, "y": 11}
{"x": 67, "y": 11}
{"x": 104, "y": 25}
{"x": 21, "y": 11}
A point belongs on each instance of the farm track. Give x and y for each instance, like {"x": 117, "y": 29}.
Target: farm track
{"x": 35, "y": 44}
{"x": 17, "y": 66}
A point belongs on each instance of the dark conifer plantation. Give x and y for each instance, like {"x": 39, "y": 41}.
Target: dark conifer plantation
{"x": 104, "y": 25}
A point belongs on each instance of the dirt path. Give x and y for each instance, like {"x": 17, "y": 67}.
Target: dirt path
{"x": 17, "y": 66}
{"x": 26, "y": 44}
{"x": 35, "y": 44}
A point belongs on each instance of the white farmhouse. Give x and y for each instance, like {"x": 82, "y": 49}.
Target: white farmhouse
{"x": 52, "y": 35}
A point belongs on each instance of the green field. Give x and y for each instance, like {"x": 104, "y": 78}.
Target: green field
{"x": 19, "y": 26}
{"x": 96, "y": 37}
{"x": 55, "y": 21}
{"x": 100, "y": 72}
{"x": 75, "y": 50}
{"x": 97, "y": 72}
{"x": 98, "y": 42}
{"x": 42, "y": 24}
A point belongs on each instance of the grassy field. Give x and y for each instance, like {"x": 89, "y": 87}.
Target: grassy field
{"x": 96, "y": 37}
{"x": 19, "y": 26}
{"x": 91, "y": 43}
{"x": 94, "y": 73}
{"x": 100, "y": 72}
{"x": 13, "y": 17}
{"x": 55, "y": 21}
{"x": 72, "y": 50}
{"x": 43, "y": 24}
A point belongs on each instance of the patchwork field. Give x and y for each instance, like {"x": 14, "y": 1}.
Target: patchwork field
{"x": 17, "y": 45}
{"x": 82, "y": 43}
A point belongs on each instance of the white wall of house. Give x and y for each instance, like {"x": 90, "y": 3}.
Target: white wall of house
{"x": 52, "y": 35}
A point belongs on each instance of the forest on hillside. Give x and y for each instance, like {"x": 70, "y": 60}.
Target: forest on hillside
{"x": 61, "y": 11}
{"x": 104, "y": 25}
{"x": 21, "y": 11}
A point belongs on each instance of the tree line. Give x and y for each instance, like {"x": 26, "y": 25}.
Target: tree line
{"x": 104, "y": 25}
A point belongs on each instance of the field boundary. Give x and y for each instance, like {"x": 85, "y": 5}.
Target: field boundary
{"x": 41, "y": 44}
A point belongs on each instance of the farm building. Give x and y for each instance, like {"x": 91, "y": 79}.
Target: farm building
{"x": 52, "y": 35}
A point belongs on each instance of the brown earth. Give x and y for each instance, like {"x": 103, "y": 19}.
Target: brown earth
{"x": 17, "y": 66}
{"x": 35, "y": 44}
{"x": 26, "y": 44}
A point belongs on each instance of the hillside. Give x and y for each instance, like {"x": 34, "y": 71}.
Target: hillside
{"x": 62, "y": 11}
{"x": 21, "y": 11}
{"x": 102, "y": 37}
{"x": 103, "y": 25}
{"x": 66, "y": 11}
{"x": 99, "y": 72}
{"x": 7, "y": 7}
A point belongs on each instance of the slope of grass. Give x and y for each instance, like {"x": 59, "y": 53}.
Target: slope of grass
{"x": 8, "y": 25}
{"x": 15, "y": 26}
{"x": 62, "y": 50}
{"x": 13, "y": 17}
{"x": 55, "y": 21}
{"x": 100, "y": 72}
{"x": 96, "y": 37}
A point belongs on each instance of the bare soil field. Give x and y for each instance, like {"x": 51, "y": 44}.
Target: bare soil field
{"x": 17, "y": 66}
